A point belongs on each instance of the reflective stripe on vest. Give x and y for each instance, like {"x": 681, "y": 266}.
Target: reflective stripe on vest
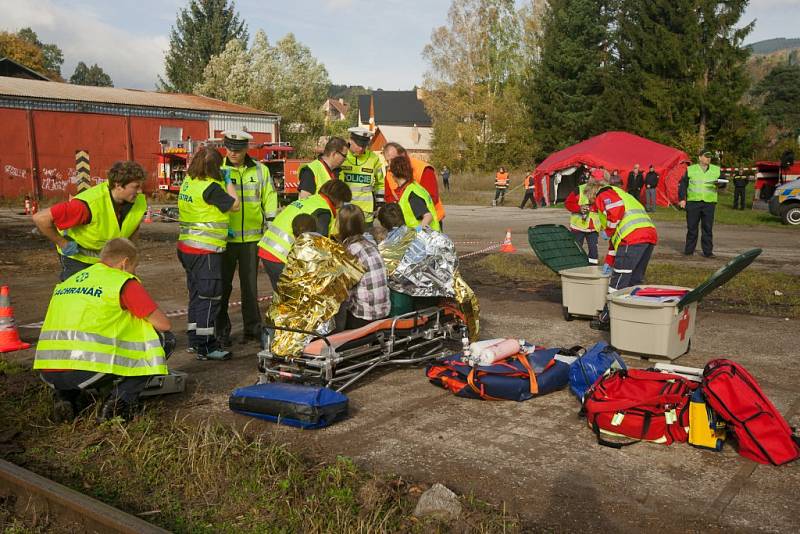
{"x": 278, "y": 238}
{"x": 258, "y": 202}
{"x": 202, "y": 225}
{"x": 103, "y": 227}
{"x": 635, "y": 217}
{"x": 364, "y": 175}
{"x": 702, "y": 185}
{"x": 86, "y": 328}
{"x": 408, "y": 213}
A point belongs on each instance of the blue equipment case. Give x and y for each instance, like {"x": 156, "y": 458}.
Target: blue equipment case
{"x": 290, "y": 404}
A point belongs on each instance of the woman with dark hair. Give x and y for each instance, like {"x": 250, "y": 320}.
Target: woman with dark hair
{"x": 369, "y": 299}
{"x": 414, "y": 201}
{"x": 205, "y": 199}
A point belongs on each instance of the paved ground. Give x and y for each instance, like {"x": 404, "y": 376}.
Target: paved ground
{"x": 536, "y": 456}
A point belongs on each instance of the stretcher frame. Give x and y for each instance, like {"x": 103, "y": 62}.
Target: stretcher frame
{"x": 340, "y": 366}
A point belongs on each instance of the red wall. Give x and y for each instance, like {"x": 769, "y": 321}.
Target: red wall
{"x": 59, "y": 134}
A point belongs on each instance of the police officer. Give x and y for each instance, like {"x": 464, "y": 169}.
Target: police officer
{"x": 362, "y": 171}
{"x": 258, "y": 206}
{"x": 697, "y": 193}
{"x": 103, "y": 329}
{"x": 326, "y": 167}
{"x": 739, "y": 188}
{"x": 82, "y": 226}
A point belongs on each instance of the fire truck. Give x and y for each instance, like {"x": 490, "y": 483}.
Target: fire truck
{"x": 173, "y": 160}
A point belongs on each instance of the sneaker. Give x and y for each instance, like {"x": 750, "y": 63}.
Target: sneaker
{"x": 114, "y": 407}
{"x": 63, "y": 411}
{"x": 688, "y": 253}
{"x": 218, "y": 355}
{"x": 709, "y": 255}
{"x": 597, "y": 324}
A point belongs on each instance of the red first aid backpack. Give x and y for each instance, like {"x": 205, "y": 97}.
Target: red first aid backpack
{"x": 639, "y": 405}
{"x": 763, "y": 435}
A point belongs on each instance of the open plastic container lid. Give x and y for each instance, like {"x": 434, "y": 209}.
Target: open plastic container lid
{"x": 555, "y": 246}
{"x": 720, "y": 277}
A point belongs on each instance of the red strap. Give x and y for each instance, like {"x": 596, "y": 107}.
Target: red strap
{"x": 622, "y": 405}
{"x": 479, "y": 391}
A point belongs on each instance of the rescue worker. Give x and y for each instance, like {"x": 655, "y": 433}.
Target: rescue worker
{"x": 697, "y": 193}
{"x": 277, "y": 241}
{"x": 633, "y": 238}
{"x": 530, "y": 185}
{"x": 258, "y": 206}
{"x": 205, "y": 201}
{"x": 414, "y": 201}
{"x": 312, "y": 175}
{"x": 82, "y": 226}
{"x": 500, "y": 187}
{"x": 739, "y": 188}
{"x": 362, "y": 171}
{"x": 423, "y": 173}
{"x": 102, "y": 329}
{"x": 584, "y": 223}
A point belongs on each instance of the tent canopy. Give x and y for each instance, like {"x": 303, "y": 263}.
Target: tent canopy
{"x": 621, "y": 150}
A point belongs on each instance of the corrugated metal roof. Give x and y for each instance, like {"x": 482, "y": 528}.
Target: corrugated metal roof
{"x": 21, "y": 88}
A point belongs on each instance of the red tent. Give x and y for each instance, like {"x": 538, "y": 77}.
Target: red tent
{"x": 620, "y": 150}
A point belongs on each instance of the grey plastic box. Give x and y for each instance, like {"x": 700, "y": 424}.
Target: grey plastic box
{"x": 174, "y": 382}
{"x": 583, "y": 291}
{"x": 651, "y": 328}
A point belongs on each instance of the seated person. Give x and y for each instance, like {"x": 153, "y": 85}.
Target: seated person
{"x": 391, "y": 218}
{"x": 414, "y": 200}
{"x": 103, "y": 328}
{"x": 369, "y": 300}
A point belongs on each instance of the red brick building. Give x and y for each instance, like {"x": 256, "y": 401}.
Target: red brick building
{"x": 43, "y": 124}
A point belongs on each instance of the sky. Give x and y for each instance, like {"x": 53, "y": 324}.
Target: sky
{"x": 360, "y": 42}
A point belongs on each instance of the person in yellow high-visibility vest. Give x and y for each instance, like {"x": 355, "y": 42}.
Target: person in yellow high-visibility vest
{"x": 362, "y": 171}
{"x": 697, "y": 194}
{"x": 82, "y": 226}
{"x": 314, "y": 174}
{"x": 102, "y": 328}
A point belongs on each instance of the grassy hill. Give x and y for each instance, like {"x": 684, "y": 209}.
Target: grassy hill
{"x": 774, "y": 45}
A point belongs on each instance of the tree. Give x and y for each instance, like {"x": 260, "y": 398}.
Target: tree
{"x": 201, "y": 31}
{"x": 93, "y": 75}
{"x": 780, "y": 94}
{"x": 285, "y": 79}
{"x": 471, "y": 86}
{"x": 568, "y": 80}
{"x": 52, "y": 55}
{"x": 25, "y": 48}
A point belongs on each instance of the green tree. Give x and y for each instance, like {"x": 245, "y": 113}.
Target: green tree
{"x": 52, "y": 55}
{"x": 565, "y": 91}
{"x": 201, "y": 31}
{"x": 780, "y": 95}
{"x": 94, "y": 75}
{"x": 285, "y": 79}
{"x": 475, "y": 68}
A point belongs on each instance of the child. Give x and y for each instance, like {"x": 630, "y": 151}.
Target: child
{"x": 103, "y": 328}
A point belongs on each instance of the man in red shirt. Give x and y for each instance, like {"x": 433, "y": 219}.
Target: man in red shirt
{"x": 633, "y": 238}
{"x": 125, "y": 180}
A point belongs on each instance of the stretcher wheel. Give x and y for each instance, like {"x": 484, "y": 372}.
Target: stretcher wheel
{"x": 567, "y": 316}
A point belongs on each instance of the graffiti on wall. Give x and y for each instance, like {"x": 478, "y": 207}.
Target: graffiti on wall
{"x": 52, "y": 179}
{"x": 14, "y": 172}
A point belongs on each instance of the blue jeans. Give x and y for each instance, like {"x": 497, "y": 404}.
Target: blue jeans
{"x": 650, "y": 199}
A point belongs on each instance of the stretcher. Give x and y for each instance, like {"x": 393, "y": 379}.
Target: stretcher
{"x": 338, "y": 360}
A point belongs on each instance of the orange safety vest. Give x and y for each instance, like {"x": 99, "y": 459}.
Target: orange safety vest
{"x": 501, "y": 180}
{"x": 529, "y": 182}
{"x": 418, "y": 167}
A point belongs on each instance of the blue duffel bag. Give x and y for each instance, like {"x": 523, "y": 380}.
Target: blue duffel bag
{"x": 593, "y": 364}
{"x": 290, "y": 404}
{"x": 519, "y": 377}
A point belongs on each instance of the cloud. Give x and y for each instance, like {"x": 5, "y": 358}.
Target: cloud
{"x": 131, "y": 59}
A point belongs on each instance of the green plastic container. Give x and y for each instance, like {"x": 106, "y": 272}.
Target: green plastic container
{"x": 401, "y": 303}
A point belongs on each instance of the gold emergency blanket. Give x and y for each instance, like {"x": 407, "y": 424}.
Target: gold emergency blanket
{"x": 468, "y": 304}
{"x": 318, "y": 276}
{"x": 419, "y": 263}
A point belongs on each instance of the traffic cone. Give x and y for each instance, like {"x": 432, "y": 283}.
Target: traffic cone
{"x": 9, "y": 337}
{"x": 507, "y": 245}
{"x": 148, "y": 218}
{"x": 28, "y": 207}
{"x": 35, "y": 208}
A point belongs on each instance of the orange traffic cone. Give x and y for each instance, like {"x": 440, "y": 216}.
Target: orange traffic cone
{"x": 507, "y": 245}
{"x": 148, "y": 218}
{"x": 28, "y": 207}
{"x": 35, "y": 208}
{"x": 9, "y": 337}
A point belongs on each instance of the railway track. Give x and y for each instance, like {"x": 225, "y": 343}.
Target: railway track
{"x": 39, "y": 497}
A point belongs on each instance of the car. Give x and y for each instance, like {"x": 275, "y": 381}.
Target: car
{"x": 785, "y": 203}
